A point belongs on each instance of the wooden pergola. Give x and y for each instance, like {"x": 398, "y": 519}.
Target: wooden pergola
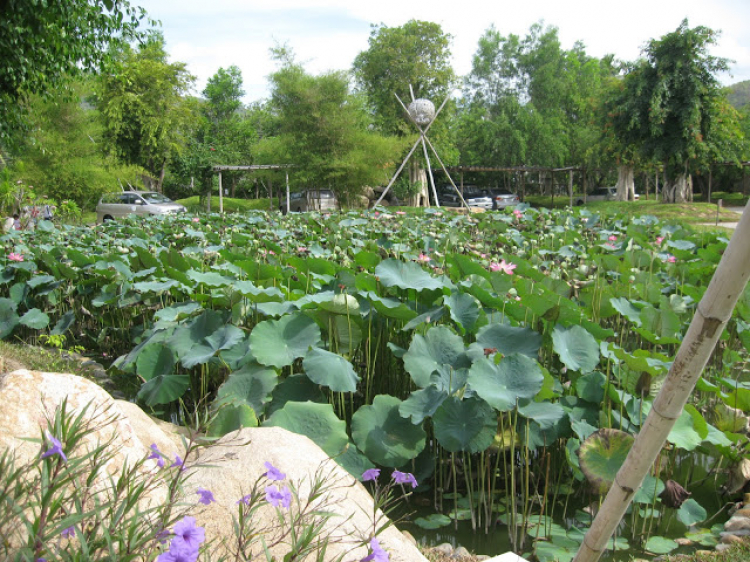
{"x": 254, "y": 167}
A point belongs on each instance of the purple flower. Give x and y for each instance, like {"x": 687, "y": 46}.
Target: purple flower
{"x": 378, "y": 554}
{"x": 277, "y": 497}
{"x": 178, "y": 462}
{"x": 245, "y": 499}
{"x": 68, "y": 533}
{"x": 370, "y": 474}
{"x": 404, "y": 478}
{"x": 162, "y": 536}
{"x": 206, "y": 497}
{"x": 156, "y": 454}
{"x": 178, "y": 554}
{"x": 273, "y": 473}
{"x": 55, "y": 449}
{"x": 187, "y": 536}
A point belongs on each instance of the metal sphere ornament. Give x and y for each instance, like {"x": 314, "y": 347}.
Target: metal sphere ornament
{"x": 422, "y": 111}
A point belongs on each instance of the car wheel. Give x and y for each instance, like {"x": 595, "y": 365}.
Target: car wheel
{"x": 579, "y": 202}
{"x": 108, "y": 218}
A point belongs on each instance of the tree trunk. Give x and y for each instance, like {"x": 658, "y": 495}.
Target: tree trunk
{"x": 678, "y": 189}
{"x": 625, "y": 183}
{"x": 418, "y": 175}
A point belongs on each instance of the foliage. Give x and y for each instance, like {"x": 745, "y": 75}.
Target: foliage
{"x": 669, "y": 107}
{"x": 43, "y": 43}
{"x": 322, "y": 134}
{"x": 375, "y": 333}
{"x": 141, "y": 107}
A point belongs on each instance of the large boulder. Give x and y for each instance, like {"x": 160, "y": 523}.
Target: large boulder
{"x": 227, "y": 468}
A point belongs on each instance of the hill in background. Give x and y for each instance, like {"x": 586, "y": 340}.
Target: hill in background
{"x": 739, "y": 94}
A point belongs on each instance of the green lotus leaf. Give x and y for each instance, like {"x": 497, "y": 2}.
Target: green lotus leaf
{"x": 465, "y": 425}
{"x": 195, "y": 330}
{"x": 545, "y": 414}
{"x": 177, "y": 311}
{"x": 390, "y": 308}
{"x": 331, "y": 370}
{"x": 464, "y": 310}
{"x": 62, "y": 325}
{"x": 439, "y": 346}
{"x": 164, "y": 389}
{"x": 353, "y": 461}
{"x": 280, "y": 342}
{"x": 251, "y": 385}
{"x": 210, "y": 278}
{"x": 225, "y": 337}
{"x": 602, "y": 455}
{"x": 406, "y": 275}
{"x": 624, "y": 307}
{"x": 341, "y": 304}
{"x": 8, "y": 317}
{"x": 433, "y": 521}
{"x": 35, "y": 319}
{"x": 577, "y": 348}
{"x": 689, "y": 430}
{"x": 153, "y": 360}
{"x": 383, "y": 435}
{"x": 295, "y": 388}
{"x": 590, "y": 387}
{"x": 510, "y": 339}
{"x": 258, "y": 294}
{"x": 502, "y": 385}
{"x": 231, "y": 417}
{"x": 422, "y": 404}
{"x": 649, "y": 490}
{"x": 316, "y": 421}
{"x": 660, "y": 545}
{"x": 154, "y": 286}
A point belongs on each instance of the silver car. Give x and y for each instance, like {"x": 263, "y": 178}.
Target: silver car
{"x": 472, "y": 198}
{"x": 310, "y": 200}
{"x": 118, "y": 205}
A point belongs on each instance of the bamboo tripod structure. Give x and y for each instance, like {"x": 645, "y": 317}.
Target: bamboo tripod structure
{"x": 712, "y": 314}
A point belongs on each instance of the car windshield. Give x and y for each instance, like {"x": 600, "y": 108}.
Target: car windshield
{"x": 155, "y": 198}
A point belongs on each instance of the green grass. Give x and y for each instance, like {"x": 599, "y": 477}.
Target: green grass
{"x": 194, "y": 205}
{"x": 37, "y": 358}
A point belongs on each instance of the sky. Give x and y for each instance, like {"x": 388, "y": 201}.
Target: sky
{"x": 328, "y": 34}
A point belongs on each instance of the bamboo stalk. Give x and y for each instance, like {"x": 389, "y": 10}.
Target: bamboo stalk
{"x": 713, "y": 312}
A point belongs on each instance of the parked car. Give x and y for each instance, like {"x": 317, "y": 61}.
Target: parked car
{"x": 502, "y": 198}
{"x": 600, "y": 194}
{"x": 310, "y": 200}
{"x": 118, "y": 205}
{"x": 473, "y": 197}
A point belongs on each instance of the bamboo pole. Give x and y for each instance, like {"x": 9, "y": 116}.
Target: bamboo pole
{"x": 713, "y": 312}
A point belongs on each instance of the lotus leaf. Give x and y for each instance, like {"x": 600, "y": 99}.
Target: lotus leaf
{"x": 251, "y": 385}
{"x": 63, "y": 324}
{"x": 331, "y": 370}
{"x": 465, "y": 425}
{"x": 502, "y": 385}
{"x": 295, "y": 388}
{"x": 433, "y": 521}
{"x": 577, "y": 348}
{"x": 510, "y": 339}
{"x": 689, "y": 430}
{"x": 231, "y": 417}
{"x": 280, "y": 342}
{"x": 438, "y": 347}
{"x": 316, "y": 421}
{"x": 382, "y": 434}
{"x": 8, "y": 317}
{"x": 660, "y": 545}
{"x": 153, "y": 360}
{"x": 35, "y": 319}
{"x": 406, "y": 275}
{"x": 464, "y": 310}
{"x": 163, "y": 389}
{"x": 602, "y": 455}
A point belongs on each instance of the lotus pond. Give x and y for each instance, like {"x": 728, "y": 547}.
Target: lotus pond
{"x": 505, "y": 359}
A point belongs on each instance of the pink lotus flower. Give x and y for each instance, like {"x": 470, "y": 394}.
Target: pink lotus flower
{"x": 15, "y": 257}
{"x": 506, "y": 268}
{"x": 196, "y": 219}
{"x": 671, "y": 258}
{"x": 377, "y": 213}
{"x": 612, "y": 238}
{"x": 423, "y": 258}
{"x": 400, "y": 212}
{"x": 301, "y": 249}
{"x": 659, "y": 240}
{"x": 518, "y": 213}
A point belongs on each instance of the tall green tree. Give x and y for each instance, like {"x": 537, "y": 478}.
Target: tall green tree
{"x": 667, "y": 107}
{"x": 42, "y": 43}
{"x": 142, "y": 107}
{"x": 323, "y": 134}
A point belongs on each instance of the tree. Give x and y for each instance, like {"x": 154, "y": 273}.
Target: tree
{"x": 323, "y": 133}
{"x": 417, "y": 54}
{"x": 667, "y": 106}
{"x": 43, "y": 43}
{"x": 142, "y": 107}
